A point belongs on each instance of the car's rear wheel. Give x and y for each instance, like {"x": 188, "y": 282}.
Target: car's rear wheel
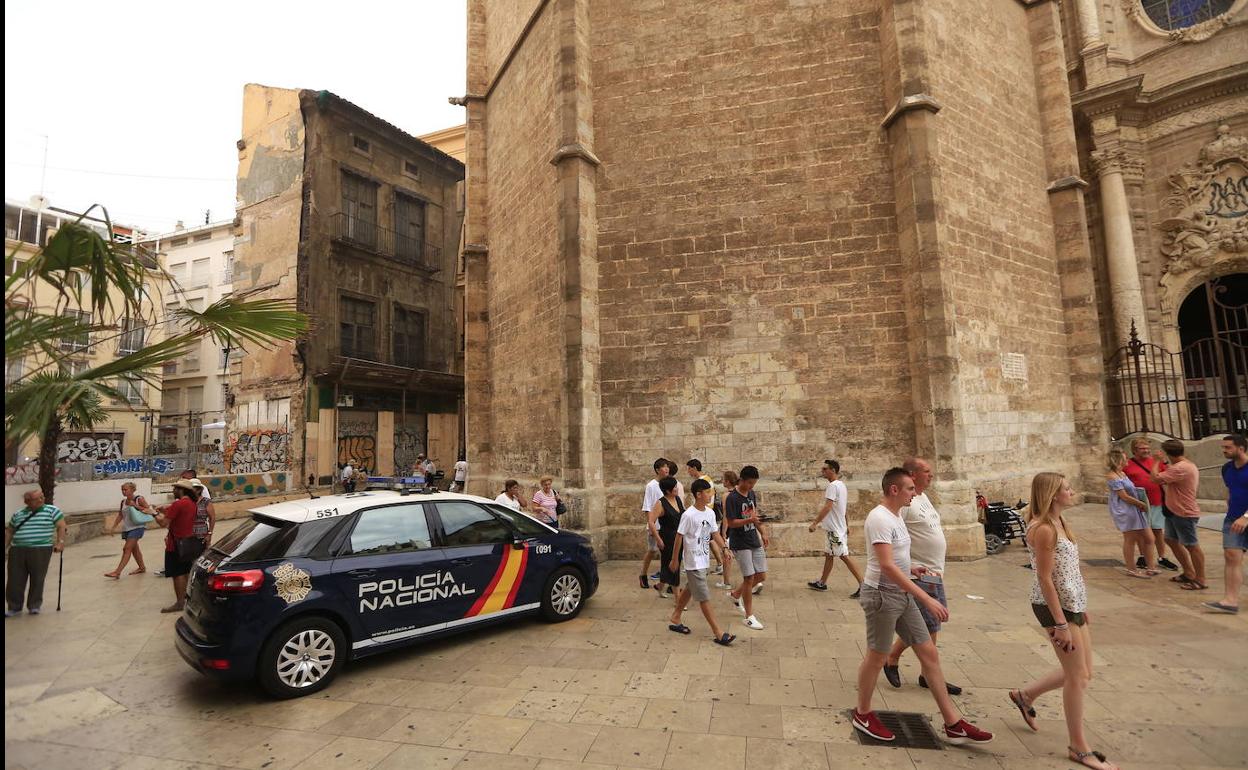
{"x": 564, "y": 595}
{"x": 302, "y": 657}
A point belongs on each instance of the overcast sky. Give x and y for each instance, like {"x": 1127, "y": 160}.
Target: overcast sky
{"x": 141, "y": 102}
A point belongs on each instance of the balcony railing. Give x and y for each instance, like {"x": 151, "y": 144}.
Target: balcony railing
{"x": 227, "y": 276}
{"x": 388, "y": 243}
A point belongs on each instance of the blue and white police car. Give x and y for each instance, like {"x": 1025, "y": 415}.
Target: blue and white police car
{"x": 302, "y": 587}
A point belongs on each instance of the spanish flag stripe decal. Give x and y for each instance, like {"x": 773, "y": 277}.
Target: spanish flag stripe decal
{"x": 515, "y": 586}
{"x": 502, "y": 588}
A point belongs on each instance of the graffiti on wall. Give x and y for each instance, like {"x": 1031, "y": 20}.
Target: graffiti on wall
{"x": 23, "y": 473}
{"x": 135, "y": 466}
{"x": 257, "y": 451}
{"x": 245, "y": 484}
{"x": 409, "y": 441}
{"x": 357, "y": 444}
{"x": 83, "y": 447}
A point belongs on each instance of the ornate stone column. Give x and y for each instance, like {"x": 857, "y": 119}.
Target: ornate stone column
{"x": 1089, "y": 23}
{"x": 1126, "y": 296}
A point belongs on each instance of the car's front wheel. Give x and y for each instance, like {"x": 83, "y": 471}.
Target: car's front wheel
{"x": 302, "y": 657}
{"x": 564, "y": 595}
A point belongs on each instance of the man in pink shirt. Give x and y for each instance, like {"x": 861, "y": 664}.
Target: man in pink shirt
{"x": 1180, "y": 480}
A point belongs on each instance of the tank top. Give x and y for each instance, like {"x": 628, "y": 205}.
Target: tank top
{"x": 1067, "y": 578}
{"x": 128, "y": 519}
{"x": 201, "y": 517}
{"x": 670, "y": 520}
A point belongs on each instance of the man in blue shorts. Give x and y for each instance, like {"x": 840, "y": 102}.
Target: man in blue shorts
{"x": 1235, "y": 527}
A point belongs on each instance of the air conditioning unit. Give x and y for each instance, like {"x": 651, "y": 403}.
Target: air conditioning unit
{"x": 346, "y": 399}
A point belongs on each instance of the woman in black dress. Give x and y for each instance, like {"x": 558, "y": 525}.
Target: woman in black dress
{"x": 664, "y": 521}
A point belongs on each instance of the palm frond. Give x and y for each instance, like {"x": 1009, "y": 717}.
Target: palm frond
{"x": 33, "y": 403}
{"x": 233, "y": 321}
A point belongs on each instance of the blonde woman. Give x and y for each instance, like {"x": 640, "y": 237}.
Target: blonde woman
{"x": 1128, "y": 507}
{"x": 1059, "y": 600}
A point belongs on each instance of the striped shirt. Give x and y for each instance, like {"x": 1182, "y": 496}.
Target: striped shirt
{"x": 35, "y": 530}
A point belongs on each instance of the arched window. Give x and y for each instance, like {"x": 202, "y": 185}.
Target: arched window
{"x": 1181, "y": 14}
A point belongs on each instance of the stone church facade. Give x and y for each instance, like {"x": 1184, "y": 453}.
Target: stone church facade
{"x": 777, "y": 231}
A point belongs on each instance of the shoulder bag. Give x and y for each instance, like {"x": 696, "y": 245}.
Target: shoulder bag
{"x": 560, "y": 508}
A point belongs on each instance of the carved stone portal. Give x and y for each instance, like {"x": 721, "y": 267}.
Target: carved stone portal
{"x": 1208, "y": 233}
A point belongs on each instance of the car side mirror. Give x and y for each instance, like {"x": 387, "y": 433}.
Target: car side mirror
{"x": 517, "y": 542}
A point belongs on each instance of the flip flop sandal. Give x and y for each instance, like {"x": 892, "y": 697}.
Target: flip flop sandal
{"x": 1181, "y": 579}
{"x": 113, "y": 575}
{"x": 679, "y": 628}
{"x": 725, "y": 640}
{"x": 1024, "y": 708}
{"x": 1134, "y": 573}
{"x": 1229, "y": 609}
{"x": 1193, "y": 586}
{"x": 1082, "y": 756}
{"x": 138, "y": 571}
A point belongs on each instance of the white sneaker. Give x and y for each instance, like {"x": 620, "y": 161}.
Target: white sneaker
{"x": 722, "y": 584}
{"x": 719, "y": 569}
{"x": 752, "y": 622}
{"x": 758, "y": 588}
{"x": 736, "y": 604}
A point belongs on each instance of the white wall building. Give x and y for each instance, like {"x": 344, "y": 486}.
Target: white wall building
{"x": 201, "y": 262}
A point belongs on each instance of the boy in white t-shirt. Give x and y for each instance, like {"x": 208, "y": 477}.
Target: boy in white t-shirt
{"x": 697, "y": 532}
{"x": 831, "y": 519}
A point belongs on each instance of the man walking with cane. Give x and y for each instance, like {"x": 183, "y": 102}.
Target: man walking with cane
{"x": 31, "y": 536}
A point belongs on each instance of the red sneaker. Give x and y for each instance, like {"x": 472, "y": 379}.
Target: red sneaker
{"x": 870, "y": 724}
{"x": 965, "y": 732}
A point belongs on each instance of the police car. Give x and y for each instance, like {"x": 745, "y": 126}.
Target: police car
{"x": 289, "y": 596}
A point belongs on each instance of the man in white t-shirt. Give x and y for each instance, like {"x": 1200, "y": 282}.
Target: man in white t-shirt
{"x": 348, "y": 477}
{"x": 461, "y": 475}
{"x": 927, "y": 550}
{"x": 831, "y": 519}
{"x": 890, "y": 602}
{"x": 695, "y": 537}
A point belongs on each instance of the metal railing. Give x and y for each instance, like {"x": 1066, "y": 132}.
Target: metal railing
{"x": 369, "y": 235}
{"x": 1200, "y": 391}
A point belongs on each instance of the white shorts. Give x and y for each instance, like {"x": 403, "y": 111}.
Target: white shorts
{"x": 836, "y": 543}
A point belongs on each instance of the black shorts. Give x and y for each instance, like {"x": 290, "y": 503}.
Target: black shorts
{"x": 1046, "y": 618}
{"x": 175, "y": 567}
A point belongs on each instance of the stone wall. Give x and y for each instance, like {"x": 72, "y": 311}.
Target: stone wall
{"x": 780, "y": 273}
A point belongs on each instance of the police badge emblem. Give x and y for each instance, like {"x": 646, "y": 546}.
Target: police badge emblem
{"x": 293, "y": 584}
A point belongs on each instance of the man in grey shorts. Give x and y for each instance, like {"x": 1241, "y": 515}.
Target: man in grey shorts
{"x": 890, "y": 601}
{"x": 747, "y": 543}
{"x": 694, "y": 537}
{"x": 927, "y": 550}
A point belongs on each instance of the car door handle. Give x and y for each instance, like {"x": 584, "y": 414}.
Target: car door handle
{"x": 461, "y": 562}
{"x": 362, "y": 573}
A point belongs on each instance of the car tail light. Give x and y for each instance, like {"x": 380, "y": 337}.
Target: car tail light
{"x": 244, "y": 582}
{"x": 216, "y": 664}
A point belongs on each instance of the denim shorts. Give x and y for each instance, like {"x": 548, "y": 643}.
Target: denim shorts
{"x": 1232, "y": 540}
{"x": 133, "y": 534}
{"x": 1156, "y": 519}
{"x": 937, "y": 592}
{"x": 1182, "y": 529}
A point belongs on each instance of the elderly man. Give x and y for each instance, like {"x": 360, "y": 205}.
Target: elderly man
{"x": 31, "y": 536}
{"x": 927, "y": 550}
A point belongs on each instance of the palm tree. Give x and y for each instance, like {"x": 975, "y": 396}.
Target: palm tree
{"x": 110, "y": 281}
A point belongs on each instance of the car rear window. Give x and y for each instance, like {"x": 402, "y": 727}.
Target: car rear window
{"x": 262, "y": 538}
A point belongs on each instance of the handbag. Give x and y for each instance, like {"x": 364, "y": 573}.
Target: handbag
{"x": 188, "y": 548}
{"x": 560, "y": 508}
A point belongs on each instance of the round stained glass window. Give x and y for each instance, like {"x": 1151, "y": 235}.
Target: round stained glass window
{"x": 1181, "y": 14}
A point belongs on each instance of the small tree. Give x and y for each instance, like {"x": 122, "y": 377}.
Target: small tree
{"x": 110, "y": 283}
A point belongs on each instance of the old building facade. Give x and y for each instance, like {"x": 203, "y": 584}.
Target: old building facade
{"x": 775, "y": 232}
{"x": 359, "y": 223}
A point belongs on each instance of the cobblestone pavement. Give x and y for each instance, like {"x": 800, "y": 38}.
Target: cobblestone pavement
{"x": 99, "y": 685}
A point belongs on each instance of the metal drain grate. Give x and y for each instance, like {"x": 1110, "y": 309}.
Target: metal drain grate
{"x": 912, "y": 731}
{"x": 1103, "y": 562}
